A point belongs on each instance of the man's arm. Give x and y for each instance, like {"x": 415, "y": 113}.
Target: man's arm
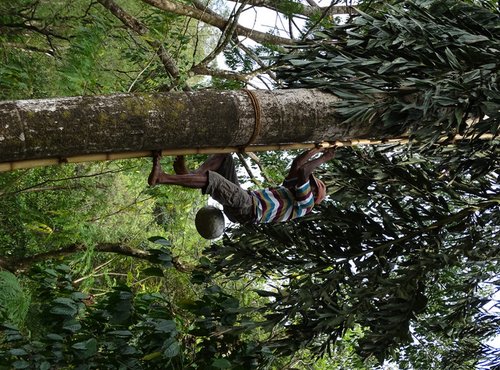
{"x": 302, "y": 167}
{"x": 299, "y": 161}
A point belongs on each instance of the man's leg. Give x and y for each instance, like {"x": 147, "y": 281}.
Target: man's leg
{"x": 211, "y": 164}
{"x": 180, "y": 165}
{"x": 190, "y": 180}
{"x": 197, "y": 179}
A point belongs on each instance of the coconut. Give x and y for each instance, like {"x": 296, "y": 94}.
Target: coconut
{"x": 209, "y": 222}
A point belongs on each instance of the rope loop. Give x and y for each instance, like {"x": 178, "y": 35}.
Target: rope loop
{"x": 257, "y": 113}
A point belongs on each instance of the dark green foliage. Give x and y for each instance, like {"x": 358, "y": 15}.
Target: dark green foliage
{"x": 14, "y": 302}
{"x": 48, "y": 206}
{"x": 399, "y": 263}
{"x": 405, "y": 248}
{"x": 79, "y": 48}
{"x": 420, "y": 66}
{"x": 126, "y": 330}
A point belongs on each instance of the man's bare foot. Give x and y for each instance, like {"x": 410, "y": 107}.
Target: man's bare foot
{"x": 156, "y": 170}
{"x": 180, "y": 165}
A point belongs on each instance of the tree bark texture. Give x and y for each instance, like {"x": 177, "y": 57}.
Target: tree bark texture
{"x": 65, "y": 127}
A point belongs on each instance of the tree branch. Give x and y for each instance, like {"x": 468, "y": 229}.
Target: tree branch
{"x": 217, "y": 21}
{"x": 224, "y": 39}
{"x": 256, "y": 59}
{"x": 230, "y": 75}
{"x": 31, "y": 49}
{"x": 42, "y": 31}
{"x": 137, "y": 26}
{"x": 249, "y": 170}
{"x": 261, "y": 168}
{"x": 21, "y": 264}
{"x": 302, "y": 9}
{"x": 40, "y": 184}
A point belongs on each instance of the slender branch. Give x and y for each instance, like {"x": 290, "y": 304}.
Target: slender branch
{"x": 230, "y": 75}
{"x": 261, "y": 168}
{"x": 135, "y": 202}
{"x": 31, "y": 49}
{"x": 256, "y": 59}
{"x": 302, "y": 9}
{"x": 42, "y": 31}
{"x": 140, "y": 74}
{"x": 21, "y": 264}
{"x": 218, "y": 21}
{"x": 57, "y": 188}
{"x": 224, "y": 39}
{"x": 40, "y": 184}
{"x": 324, "y": 14}
{"x": 95, "y": 270}
{"x": 137, "y": 26}
{"x": 249, "y": 170}
{"x": 127, "y": 19}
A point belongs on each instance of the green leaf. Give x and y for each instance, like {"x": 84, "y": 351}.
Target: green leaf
{"x": 165, "y": 326}
{"x": 172, "y": 349}
{"x": 18, "y": 352}
{"x": 78, "y": 296}
{"x": 121, "y": 333}
{"x": 20, "y": 364}
{"x": 151, "y": 356}
{"x": 471, "y": 39}
{"x": 55, "y": 337}
{"x": 153, "y": 271}
{"x": 64, "y": 310}
{"x": 221, "y": 363}
{"x": 72, "y": 325}
{"x": 160, "y": 240}
{"x": 86, "y": 348}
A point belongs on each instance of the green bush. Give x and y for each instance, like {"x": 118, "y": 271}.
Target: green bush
{"x": 14, "y": 302}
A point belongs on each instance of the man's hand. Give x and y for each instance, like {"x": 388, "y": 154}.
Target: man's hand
{"x": 306, "y": 169}
{"x": 302, "y": 158}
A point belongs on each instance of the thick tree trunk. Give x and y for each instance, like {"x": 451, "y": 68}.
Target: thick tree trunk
{"x": 68, "y": 127}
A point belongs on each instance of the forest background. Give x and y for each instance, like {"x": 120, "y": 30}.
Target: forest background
{"x": 398, "y": 269}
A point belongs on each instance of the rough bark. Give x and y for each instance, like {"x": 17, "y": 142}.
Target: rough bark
{"x": 86, "y": 125}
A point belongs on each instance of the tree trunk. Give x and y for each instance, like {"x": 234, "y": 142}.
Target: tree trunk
{"x": 67, "y": 127}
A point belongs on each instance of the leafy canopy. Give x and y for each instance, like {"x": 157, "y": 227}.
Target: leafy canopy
{"x": 419, "y": 67}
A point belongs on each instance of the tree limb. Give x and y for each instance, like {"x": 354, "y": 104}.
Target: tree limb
{"x": 137, "y": 26}
{"x": 224, "y": 39}
{"x": 249, "y": 170}
{"x": 21, "y": 264}
{"x": 256, "y": 59}
{"x": 302, "y": 9}
{"x": 230, "y": 75}
{"x": 217, "y": 21}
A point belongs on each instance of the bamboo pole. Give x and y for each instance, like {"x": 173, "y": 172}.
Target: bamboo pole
{"x": 16, "y": 165}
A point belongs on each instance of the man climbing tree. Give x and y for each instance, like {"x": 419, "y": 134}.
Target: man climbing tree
{"x": 296, "y": 197}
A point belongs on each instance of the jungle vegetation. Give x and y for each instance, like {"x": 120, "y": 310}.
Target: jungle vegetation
{"x": 399, "y": 268}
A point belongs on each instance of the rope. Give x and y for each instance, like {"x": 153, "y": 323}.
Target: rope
{"x": 257, "y": 113}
